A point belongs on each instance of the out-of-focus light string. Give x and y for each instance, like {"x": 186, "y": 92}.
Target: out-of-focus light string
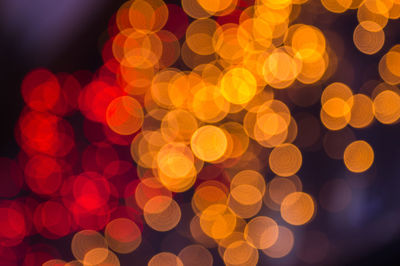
{"x": 202, "y": 98}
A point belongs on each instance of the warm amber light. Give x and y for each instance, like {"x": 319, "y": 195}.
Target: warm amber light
{"x": 358, "y": 156}
{"x": 297, "y": 208}
{"x": 285, "y": 160}
{"x": 209, "y": 143}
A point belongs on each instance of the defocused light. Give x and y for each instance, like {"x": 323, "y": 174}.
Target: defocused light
{"x": 285, "y": 160}
{"x": 209, "y": 143}
{"x": 297, "y": 208}
{"x": 261, "y": 232}
{"x": 358, "y": 156}
{"x": 165, "y": 258}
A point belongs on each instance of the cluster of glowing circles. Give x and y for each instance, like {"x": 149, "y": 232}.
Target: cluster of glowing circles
{"x": 207, "y": 109}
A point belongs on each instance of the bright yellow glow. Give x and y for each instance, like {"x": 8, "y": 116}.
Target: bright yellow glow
{"x": 209, "y": 143}
{"x": 238, "y": 86}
